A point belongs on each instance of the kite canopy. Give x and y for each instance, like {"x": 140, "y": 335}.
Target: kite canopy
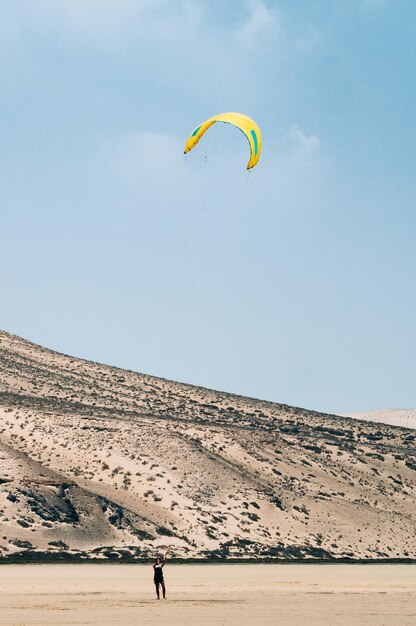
{"x": 241, "y": 121}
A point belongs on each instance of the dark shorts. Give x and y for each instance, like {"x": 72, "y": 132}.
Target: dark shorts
{"x": 158, "y": 580}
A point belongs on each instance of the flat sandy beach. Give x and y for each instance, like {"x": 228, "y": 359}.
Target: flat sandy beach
{"x": 209, "y": 594}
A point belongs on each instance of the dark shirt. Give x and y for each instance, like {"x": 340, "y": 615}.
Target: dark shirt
{"x": 158, "y": 572}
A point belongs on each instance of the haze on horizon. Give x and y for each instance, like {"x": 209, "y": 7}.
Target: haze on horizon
{"x": 295, "y": 284}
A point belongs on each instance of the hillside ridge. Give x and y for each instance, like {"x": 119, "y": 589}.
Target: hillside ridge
{"x": 101, "y": 462}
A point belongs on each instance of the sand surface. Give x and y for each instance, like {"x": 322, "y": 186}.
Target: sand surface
{"x": 209, "y": 594}
{"x": 396, "y": 417}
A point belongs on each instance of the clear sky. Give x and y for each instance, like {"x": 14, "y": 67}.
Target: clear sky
{"x": 295, "y": 283}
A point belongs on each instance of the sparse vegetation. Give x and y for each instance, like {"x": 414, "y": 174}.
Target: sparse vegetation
{"x": 247, "y": 477}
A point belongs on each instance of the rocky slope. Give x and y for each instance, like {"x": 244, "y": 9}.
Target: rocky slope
{"x": 100, "y": 462}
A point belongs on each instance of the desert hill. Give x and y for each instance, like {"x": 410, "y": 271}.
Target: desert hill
{"x": 395, "y": 417}
{"x": 100, "y": 462}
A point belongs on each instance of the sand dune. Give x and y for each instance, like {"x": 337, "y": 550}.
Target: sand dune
{"x": 395, "y": 417}
{"x": 99, "y": 462}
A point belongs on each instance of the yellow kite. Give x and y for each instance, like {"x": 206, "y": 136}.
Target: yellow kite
{"x": 243, "y": 122}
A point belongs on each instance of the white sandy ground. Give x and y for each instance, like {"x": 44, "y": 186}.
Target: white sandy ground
{"x": 395, "y": 417}
{"x": 231, "y": 594}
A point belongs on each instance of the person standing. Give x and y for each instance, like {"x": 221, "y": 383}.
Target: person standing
{"x": 158, "y": 576}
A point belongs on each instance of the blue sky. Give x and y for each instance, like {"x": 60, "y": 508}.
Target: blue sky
{"x": 295, "y": 283}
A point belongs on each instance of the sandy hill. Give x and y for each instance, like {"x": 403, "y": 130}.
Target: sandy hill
{"x": 98, "y": 461}
{"x": 395, "y": 417}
